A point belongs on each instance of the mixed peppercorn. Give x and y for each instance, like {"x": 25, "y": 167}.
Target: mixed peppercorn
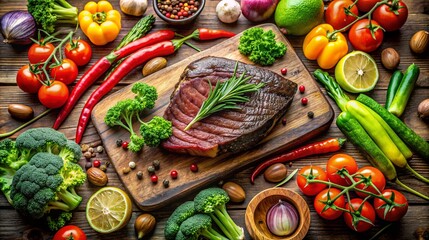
{"x": 178, "y": 9}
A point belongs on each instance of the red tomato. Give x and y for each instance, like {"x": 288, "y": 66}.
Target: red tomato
{"x": 66, "y": 72}
{"x": 27, "y": 80}
{"x": 391, "y": 16}
{"x": 54, "y": 95}
{"x": 366, "y": 5}
{"x": 370, "y": 175}
{"x": 359, "y": 209}
{"x": 69, "y": 232}
{"x": 40, "y": 53}
{"x": 336, "y": 15}
{"x": 79, "y": 51}
{"x": 361, "y": 38}
{"x": 396, "y": 212}
{"x": 311, "y": 172}
{"x": 324, "y": 199}
{"x": 336, "y": 164}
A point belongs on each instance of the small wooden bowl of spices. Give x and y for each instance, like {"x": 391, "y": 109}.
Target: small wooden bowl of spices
{"x": 178, "y": 12}
{"x": 261, "y": 214}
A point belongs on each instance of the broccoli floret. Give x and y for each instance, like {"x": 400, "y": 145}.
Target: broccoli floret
{"x": 71, "y": 151}
{"x": 46, "y": 183}
{"x": 212, "y": 201}
{"x": 52, "y": 13}
{"x": 56, "y": 220}
{"x": 145, "y": 94}
{"x": 200, "y": 225}
{"x": 41, "y": 140}
{"x": 181, "y": 236}
{"x": 155, "y": 131}
{"x": 261, "y": 46}
{"x": 180, "y": 214}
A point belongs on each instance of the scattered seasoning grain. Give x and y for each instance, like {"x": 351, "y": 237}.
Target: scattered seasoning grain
{"x": 103, "y": 167}
{"x": 151, "y": 169}
{"x": 304, "y": 101}
{"x": 156, "y": 164}
{"x": 194, "y": 167}
{"x": 93, "y": 154}
{"x": 87, "y": 155}
{"x": 284, "y": 121}
{"x": 88, "y": 165}
{"x": 126, "y": 170}
{"x": 310, "y": 114}
{"x": 119, "y": 142}
{"x": 139, "y": 175}
{"x": 107, "y": 163}
{"x": 93, "y": 145}
{"x": 301, "y": 89}
{"x": 132, "y": 165}
{"x": 173, "y": 174}
{"x": 166, "y": 183}
{"x": 84, "y": 147}
{"x": 91, "y": 149}
{"x": 290, "y": 164}
{"x": 100, "y": 149}
{"x": 96, "y": 163}
{"x": 124, "y": 145}
{"x": 154, "y": 179}
{"x": 283, "y": 71}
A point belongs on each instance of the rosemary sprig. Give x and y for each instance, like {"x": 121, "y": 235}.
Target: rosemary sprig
{"x": 226, "y": 95}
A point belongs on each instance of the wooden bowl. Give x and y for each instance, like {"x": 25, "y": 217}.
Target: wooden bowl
{"x": 258, "y": 207}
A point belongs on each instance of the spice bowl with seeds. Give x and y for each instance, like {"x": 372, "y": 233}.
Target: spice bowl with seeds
{"x": 178, "y": 12}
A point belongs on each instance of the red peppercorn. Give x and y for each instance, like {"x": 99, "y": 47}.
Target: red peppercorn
{"x": 304, "y": 101}
{"x": 96, "y": 163}
{"x": 194, "y": 167}
{"x": 301, "y": 89}
{"x": 154, "y": 179}
{"x": 125, "y": 145}
{"x": 173, "y": 174}
{"x": 283, "y": 71}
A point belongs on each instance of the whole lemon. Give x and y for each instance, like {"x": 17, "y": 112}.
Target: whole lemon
{"x": 298, "y": 17}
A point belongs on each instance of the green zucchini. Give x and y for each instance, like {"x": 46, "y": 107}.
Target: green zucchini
{"x": 411, "y": 138}
{"x": 395, "y": 81}
{"x": 357, "y": 135}
{"x": 404, "y": 91}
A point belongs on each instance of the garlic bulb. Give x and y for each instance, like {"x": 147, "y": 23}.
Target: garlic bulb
{"x": 228, "y": 11}
{"x": 133, "y": 7}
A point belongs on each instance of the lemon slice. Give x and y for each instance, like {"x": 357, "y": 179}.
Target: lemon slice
{"x": 357, "y": 72}
{"x": 108, "y": 210}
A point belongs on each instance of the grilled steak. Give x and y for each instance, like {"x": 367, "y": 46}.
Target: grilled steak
{"x": 228, "y": 130}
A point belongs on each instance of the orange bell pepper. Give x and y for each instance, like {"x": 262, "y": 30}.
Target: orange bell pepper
{"x": 326, "y": 45}
{"x": 100, "y": 22}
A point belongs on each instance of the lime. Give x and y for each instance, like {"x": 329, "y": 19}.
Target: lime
{"x": 357, "y": 72}
{"x": 108, "y": 210}
{"x": 298, "y": 17}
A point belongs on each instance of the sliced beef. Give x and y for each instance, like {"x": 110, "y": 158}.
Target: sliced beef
{"x": 229, "y": 130}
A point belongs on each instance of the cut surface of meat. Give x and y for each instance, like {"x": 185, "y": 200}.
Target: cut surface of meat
{"x": 228, "y": 130}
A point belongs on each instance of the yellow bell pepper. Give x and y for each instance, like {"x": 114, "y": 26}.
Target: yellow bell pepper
{"x": 100, "y": 22}
{"x": 325, "y": 45}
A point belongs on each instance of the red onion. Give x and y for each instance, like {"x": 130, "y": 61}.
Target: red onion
{"x": 17, "y": 27}
{"x": 282, "y": 219}
{"x": 258, "y": 10}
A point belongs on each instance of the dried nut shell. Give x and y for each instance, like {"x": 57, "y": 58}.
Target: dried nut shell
{"x": 154, "y": 65}
{"x": 275, "y": 173}
{"x": 390, "y": 58}
{"x": 96, "y": 176}
{"x": 235, "y": 192}
{"x": 423, "y": 109}
{"x": 20, "y": 111}
{"x": 419, "y": 42}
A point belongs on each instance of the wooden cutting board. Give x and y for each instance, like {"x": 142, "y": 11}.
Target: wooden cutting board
{"x": 298, "y": 128}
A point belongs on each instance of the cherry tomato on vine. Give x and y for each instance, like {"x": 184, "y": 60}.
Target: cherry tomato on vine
{"x": 339, "y": 13}
{"x": 370, "y": 174}
{"x": 394, "y": 213}
{"x": 314, "y": 173}
{"x": 359, "y": 209}
{"x": 366, "y": 5}
{"x": 79, "y": 51}
{"x": 361, "y": 38}
{"x": 335, "y": 166}
{"x": 53, "y": 95}
{"x": 391, "y": 16}
{"x": 28, "y": 79}
{"x": 322, "y": 201}
{"x": 38, "y": 53}
{"x": 69, "y": 232}
{"x": 66, "y": 72}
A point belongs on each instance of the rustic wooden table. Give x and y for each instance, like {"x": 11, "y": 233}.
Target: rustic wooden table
{"x": 12, "y": 225}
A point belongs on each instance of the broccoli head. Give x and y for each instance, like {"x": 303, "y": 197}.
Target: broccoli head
{"x": 41, "y": 140}
{"x": 70, "y": 152}
{"x": 46, "y": 183}
{"x": 200, "y": 225}
{"x": 155, "y": 131}
{"x": 212, "y": 201}
{"x": 52, "y": 13}
{"x": 180, "y": 214}
{"x": 145, "y": 94}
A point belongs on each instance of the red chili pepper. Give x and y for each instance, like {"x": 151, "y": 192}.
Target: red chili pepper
{"x": 325, "y": 146}
{"x": 102, "y": 65}
{"x": 134, "y": 60}
{"x": 210, "y": 34}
